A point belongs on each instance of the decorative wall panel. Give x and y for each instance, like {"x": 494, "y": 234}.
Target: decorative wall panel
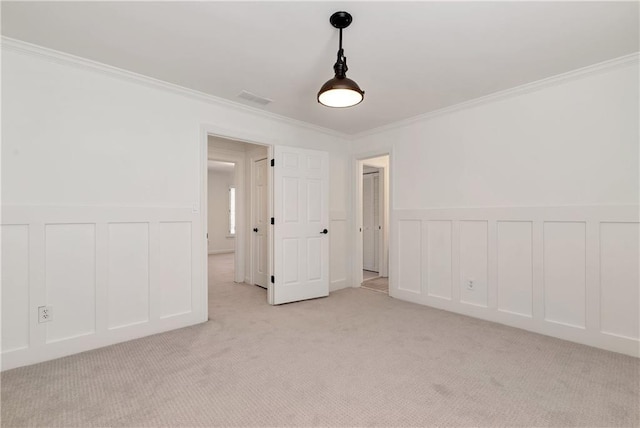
{"x": 409, "y": 256}
{"x": 439, "y": 279}
{"x": 619, "y": 279}
{"x": 565, "y": 273}
{"x": 473, "y": 262}
{"x": 175, "y": 268}
{"x": 15, "y": 287}
{"x": 515, "y": 267}
{"x": 128, "y": 274}
{"x": 70, "y": 278}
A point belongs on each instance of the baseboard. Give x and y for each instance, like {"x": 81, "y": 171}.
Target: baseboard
{"x": 31, "y": 355}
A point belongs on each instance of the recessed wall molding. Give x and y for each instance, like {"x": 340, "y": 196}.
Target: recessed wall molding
{"x": 338, "y": 233}
{"x": 110, "y": 274}
{"x": 566, "y": 272}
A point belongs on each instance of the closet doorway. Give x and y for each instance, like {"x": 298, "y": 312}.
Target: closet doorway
{"x": 372, "y": 263}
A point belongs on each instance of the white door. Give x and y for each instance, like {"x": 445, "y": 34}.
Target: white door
{"x": 301, "y": 214}
{"x": 260, "y": 224}
{"x": 370, "y": 221}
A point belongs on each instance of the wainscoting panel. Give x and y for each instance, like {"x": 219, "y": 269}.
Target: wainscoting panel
{"x": 175, "y": 268}
{"x": 567, "y": 272}
{"x": 339, "y": 234}
{"x": 109, "y": 274}
{"x": 515, "y": 267}
{"x": 15, "y": 286}
{"x": 409, "y": 256}
{"x": 70, "y": 272}
{"x": 619, "y": 279}
{"x": 473, "y": 262}
{"x": 438, "y": 270}
{"x": 128, "y": 274}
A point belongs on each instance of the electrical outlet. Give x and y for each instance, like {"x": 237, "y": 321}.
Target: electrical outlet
{"x": 470, "y": 284}
{"x": 45, "y": 314}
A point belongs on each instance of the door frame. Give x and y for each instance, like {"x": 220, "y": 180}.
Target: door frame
{"x": 207, "y": 130}
{"x": 387, "y": 184}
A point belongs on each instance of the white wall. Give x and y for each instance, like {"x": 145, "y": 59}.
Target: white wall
{"x": 218, "y": 186}
{"x": 98, "y": 163}
{"x": 533, "y": 195}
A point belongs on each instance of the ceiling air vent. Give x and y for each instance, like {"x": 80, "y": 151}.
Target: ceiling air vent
{"x": 254, "y": 98}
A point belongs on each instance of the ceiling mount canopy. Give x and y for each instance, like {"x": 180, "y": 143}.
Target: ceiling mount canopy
{"x": 340, "y": 91}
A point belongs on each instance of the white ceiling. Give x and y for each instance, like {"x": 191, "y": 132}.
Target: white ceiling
{"x": 409, "y": 57}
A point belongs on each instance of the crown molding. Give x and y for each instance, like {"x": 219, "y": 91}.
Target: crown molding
{"x": 22, "y": 47}
{"x": 600, "y": 67}
{"x": 15, "y": 45}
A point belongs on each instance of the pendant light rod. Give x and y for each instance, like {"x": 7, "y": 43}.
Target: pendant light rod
{"x": 340, "y": 21}
{"x": 340, "y": 67}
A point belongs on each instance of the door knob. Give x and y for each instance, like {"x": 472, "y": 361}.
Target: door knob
{"x": 255, "y": 229}
{"x": 324, "y": 231}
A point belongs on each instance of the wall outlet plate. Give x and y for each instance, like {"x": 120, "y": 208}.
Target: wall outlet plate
{"x": 45, "y": 314}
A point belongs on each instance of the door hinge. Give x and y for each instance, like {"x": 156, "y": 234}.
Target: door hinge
{"x": 273, "y": 162}
{"x": 273, "y": 279}
{"x": 273, "y": 220}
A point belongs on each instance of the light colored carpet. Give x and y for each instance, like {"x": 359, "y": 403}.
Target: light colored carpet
{"x": 378, "y": 284}
{"x": 356, "y": 358}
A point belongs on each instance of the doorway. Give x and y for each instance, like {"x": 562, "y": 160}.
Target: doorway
{"x": 291, "y": 249}
{"x": 372, "y": 255}
{"x": 237, "y": 211}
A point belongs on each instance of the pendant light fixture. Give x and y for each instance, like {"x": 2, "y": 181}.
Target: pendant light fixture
{"x": 340, "y": 91}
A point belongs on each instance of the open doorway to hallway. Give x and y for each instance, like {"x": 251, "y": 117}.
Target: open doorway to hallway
{"x": 374, "y": 214}
{"x": 237, "y": 213}
{"x": 289, "y": 253}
